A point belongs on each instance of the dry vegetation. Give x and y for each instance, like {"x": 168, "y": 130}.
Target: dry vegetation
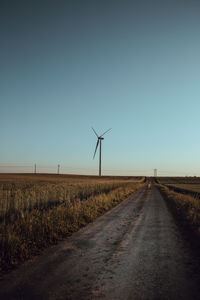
{"x": 182, "y": 194}
{"x": 193, "y": 189}
{"x": 179, "y": 180}
{"x": 185, "y": 185}
{"x": 186, "y": 208}
{"x": 38, "y": 210}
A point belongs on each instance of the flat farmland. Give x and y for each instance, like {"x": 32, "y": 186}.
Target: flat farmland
{"x": 134, "y": 251}
{"x": 37, "y": 210}
{"x": 194, "y": 188}
{"x": 190, "y": 185}
{"x": 179, "y": 180}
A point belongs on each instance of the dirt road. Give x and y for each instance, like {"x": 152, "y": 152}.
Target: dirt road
{"x": 135, "y": 251}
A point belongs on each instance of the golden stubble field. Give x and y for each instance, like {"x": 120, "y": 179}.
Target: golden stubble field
{"x": 37, "y": 210}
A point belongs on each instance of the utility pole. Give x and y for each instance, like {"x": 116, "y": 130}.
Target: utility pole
{"x": 155, "y": 172}
{"x": 35, "y": 169}
{"x": 58, "y": 172}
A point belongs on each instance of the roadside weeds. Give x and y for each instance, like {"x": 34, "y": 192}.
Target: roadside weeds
{"x": 186, "y": 210}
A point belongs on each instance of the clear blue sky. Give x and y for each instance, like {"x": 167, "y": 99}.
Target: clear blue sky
{"x": 131, "y": 65}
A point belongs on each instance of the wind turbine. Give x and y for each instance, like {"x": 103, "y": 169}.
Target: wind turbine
{"x": 99, "y": 139}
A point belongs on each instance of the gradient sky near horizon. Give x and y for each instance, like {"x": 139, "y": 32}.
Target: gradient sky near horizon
{"x": 133, "y": 66}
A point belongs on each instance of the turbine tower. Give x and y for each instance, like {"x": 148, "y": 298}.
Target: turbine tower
{"x": 99, "y": 140}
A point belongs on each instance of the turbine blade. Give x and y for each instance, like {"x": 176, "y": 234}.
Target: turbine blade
{"x": 96, "y": 148}
{"x": 95, "y": 132}
{"x": 105, "y": 132}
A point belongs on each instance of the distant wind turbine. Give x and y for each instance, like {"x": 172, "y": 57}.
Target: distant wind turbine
{"x": 99, "y": 139}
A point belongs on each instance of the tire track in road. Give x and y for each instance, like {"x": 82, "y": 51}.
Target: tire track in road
{"x": 156, "y": 264}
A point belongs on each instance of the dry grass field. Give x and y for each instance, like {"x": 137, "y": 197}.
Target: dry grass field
{"x": 185, "y": 185}
{"x": 179, "y": 180}
{"x": 182, "y": 195}
{"x": 194, "y": 188}
{"x": 37, "y": 210}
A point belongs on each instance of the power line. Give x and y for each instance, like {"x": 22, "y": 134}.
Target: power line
{"x": 40, "y": 168}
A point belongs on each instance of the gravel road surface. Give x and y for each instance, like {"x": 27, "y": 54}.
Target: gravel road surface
{"x": 135, "y": 251}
